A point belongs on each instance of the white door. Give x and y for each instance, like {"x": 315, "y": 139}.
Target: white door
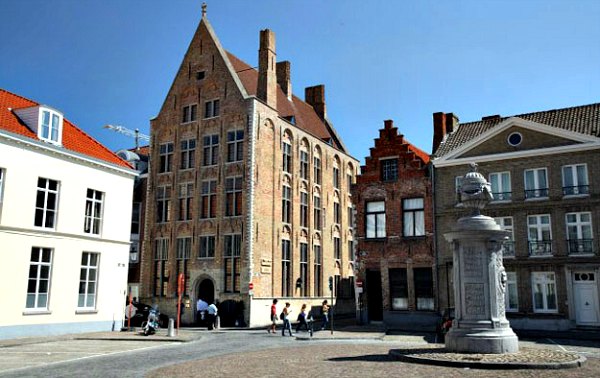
{"x": 586, "y": 298}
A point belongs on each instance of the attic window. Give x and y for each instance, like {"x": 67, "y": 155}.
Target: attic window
{"x": 50, "y": 126}
{"x": 514, "y": 139}
{"x": 291, "y": 119}
{"x": 200, "y": 75}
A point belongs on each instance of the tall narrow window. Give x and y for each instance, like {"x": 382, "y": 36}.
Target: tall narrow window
{"x": 423, "y": 288}
{"x": 93, "y": 212}
{"x": 212, "y": 108}
{"x": 317, "y": 169}
{"x": 188, "y": 151}
{"x": 50, "y": 126}
{"x": 235, "y": 145}
{"x": 506, "y": 224}
{"x": 336, "y": 177}
{"x": 161, "y": 256}
{"x": 46, "y": 203}
{"x": 233, "y": 196}
{"x": 186, "y": 198}
{"x": 389, "y": 170}
{"x": 287, "y": 157}
{"x": 337, "y": 212}
{"x": 544, "y": 292}
{"x": 500, "y": 182}
{"x": 304, "y": 165}
{"x": 286, "y": 268}
{"x": 210, "y": 152}
{"x": 511, "y": 298}
{"x": 304, "y": 269}
{"x": 135, "y": 218}
{"x": 166, "y": 157}
{"x": 398, "y": 288}
{"x": 317, "y": 211}
{"x": 38, "y": 285}
{"x": 317, "y": 271}
{"x": 350, "y": 217}
{"x": 536, "y": 183}
{"x": 88, "y": 280}
{"x": 540, "y": 235}
{"x": 579, "y": 233}
{"x": 337, "y": 248}
{"x": 232, "y": 263}
{"x": 189, "y": 113}
{"x": 350, "y": 250}
{"x": 163, "y": 204}
{"x": 303, "y": 209}
{"x": 286, "y": 204}
{"x": 349, "y": 181}
{"x": 207, "y": 247}
{"x": 457, "y": 187}
{"x": 575, "y": 180}
{"x": 375, "y": 222}
{"x": 413, "y": 216}
{"x": 184, "y": 252}
{"x": 208, "y": 199}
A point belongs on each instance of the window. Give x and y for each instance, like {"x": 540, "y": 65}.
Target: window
{"x": 286, "y": 204}
{"x": 304, "y": 165}
{"x": 186, "y": 198}
{"x": 287, "y": 157}
{"x": 375, "y": 224}
{"x": 540, "y": 235}
{"x": 423, "y": 288}
{"x": 303, "y": 209}
{"x": 317, "y": 169}
{"x": 337, "y": 212}
{"x": 210, "y": 153}
{"x": 286, "y": 268}
{"x": 350, "y": 250}
{"x": 414, "y": 217}
{"x": 135, "y": 218}
{"x": 233, "y": 196}
{"x": 184, "y": 252}
{"x": 317, "y": 270}
{"x": 208, "y": 199}
{"x": 579, "y": 233}
{"x": 511, "y": 298}
{"x": 46, "y": 203}
{"x": 304, "y": 269}
{"x": 189, "y": 113}
{"x": 88, "y": 280}
{"x": 575, "y": 180}
{"x": 233, "y": 266}
{"x": 161, "y": 274}
{"x": 50, "y": 126}
{"x": 501, "y": 186}
{"x": 163, "y": 204}
{"x": 398, "y": 288}
{"x": 38, "y": 286}
{"x": 336, "y": 177}
{"x": 235, "y": 145}
{"x": 207, "y": 247}
{"x": 337, "y": 248}
{"x": 544, "y": 292}
{"x": 350, "y": 217}
{"x": 166, "y": 157}
{"x": 211, "y": 109}
{"x": 514, "y": 139}
{"x": 389, "y": 170}
{"x": 536, "y": 183}
{"x": 457, "y": 187}
{"x": 349, "y": 180}
{"x": 93, "y": 212}
{"x": 188, "y": 150}
{"x": 317, "y": 211}
{"x": 200, "y": 75}
{"x": 506, "y": 224}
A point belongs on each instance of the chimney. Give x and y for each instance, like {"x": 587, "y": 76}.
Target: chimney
{"x": 443, "y": 123}
{"x": 315, "y": 96}
{"x": 267, "y": 78}
{"x": 451, "y": 122}
{"x": 283, "y": 78}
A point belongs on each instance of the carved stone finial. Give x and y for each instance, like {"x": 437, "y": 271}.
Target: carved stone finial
{"x": 473, "y": 166}
{"x": 203, "y": 10}
{"x": 476, "y": 192}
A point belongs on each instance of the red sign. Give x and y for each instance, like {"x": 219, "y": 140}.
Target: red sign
{"x": 250, "y": 286}
{"x": 358, "y": 283}
{"x": 180, "y": 283}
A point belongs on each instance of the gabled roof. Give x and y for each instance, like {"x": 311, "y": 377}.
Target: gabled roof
{"x": 305, "y": 116}
{"x": 583, "y": 119}
{"x": 73, "y": 138}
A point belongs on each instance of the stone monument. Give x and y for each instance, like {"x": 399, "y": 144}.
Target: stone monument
{"x": 480, "y": 324}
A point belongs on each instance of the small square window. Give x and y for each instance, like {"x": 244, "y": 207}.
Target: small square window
{"x": 200, "y": 75}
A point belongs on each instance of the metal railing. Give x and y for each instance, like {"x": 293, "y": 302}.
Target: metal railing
{"x": 536, "y": 193}
{"x": 502, "y": 196}
{"x": 580, "y": 246}
{"x": 540, "y": 248}
{"x": 509, "y": 249}
{"x": 576, "y": 190}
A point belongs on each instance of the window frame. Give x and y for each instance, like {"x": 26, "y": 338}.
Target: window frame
{"x": 85, "y": 270}
{"x": 163, "y": 204}
{"x": 94, "y": 211}
{"x": 502, "y": 177}
{"x": 304, "y": 258}
{"x": 48, "y": 210}
{"x": 509, "y": 245}
{"x": 210, "y": 150}
{"x": 186, "y": 202}
{"x": 233, "y": 196}
{"x": 208, "y": 199}
{"x": 511, "y": 286}
{"x": 51, "y": 132}
{"x": 212, "y": 108}
{"x": 376, "y": 216}
{"x": 189, "y": 113}
{"x": 413, "y": 213}
{"x": 235, "y": 146}
{"x": 39, "y": 263}
{"x": 317, "y": 212}
{"x": 544, "y": 281}
{"x": 286, "y": 156}
{"x": 540, "y": 228}
{"x": 165, "y": 154}
{"x": 317, "y": 270}
{"x": 188, "y": 154}
{"x": 578, "y": 189}
{"x": 389, "y": 173}
{"x": 538, "y": 192}
{"x": 584, "y": 231}
{"x": 207, "y": 243}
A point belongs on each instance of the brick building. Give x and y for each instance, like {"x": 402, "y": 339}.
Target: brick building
{"x": 248, "y": 185}
{"x": 394, "y": 225}
{"x": 545, "y": 177}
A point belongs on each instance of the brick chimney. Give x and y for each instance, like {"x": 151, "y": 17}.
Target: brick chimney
{"x": 283, "y": 78}
{"x": 315, "y": 96}
{"x": 267, "y": 77}
{"x": 443, "y": 123}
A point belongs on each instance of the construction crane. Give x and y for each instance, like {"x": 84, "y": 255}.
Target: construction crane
{"x": 132, "y": 133}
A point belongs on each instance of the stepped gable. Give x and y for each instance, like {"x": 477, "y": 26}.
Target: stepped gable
{"x": 73, "y": 138}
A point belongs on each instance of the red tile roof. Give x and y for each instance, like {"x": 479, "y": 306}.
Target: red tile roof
{"x": 417, "y": 151}
{"x": 73, "y": 138}
{"x": 306, "y": 117}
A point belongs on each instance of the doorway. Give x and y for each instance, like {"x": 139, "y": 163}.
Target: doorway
{"x": 585, "y": 292}
{"x": 374, "y": 298}
{"x": 206, "y": 291}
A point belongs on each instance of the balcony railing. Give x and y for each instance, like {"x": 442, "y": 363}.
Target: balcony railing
{"x": 502, "y": 196}
{"x": 536, "y": 193}
{"x": 580, "y": 246}
{"x": 540, "y": 248}
{"x": 576, "y": 190}
{"x": 509, "y": 249}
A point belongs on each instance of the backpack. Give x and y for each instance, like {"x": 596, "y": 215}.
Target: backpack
{"x": 282, "y": 315}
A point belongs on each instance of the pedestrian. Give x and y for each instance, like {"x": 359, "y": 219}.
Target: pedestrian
{"x": 273, "y": 326}
{"x": 211, "y": 314}
{"x": 201, "y": 308}
{"x": 325, "y": 312}
{"x": 286, "y": 319}
{"x": 302, "y": 319}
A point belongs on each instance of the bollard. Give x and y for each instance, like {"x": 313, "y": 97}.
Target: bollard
{"x": 217, "y": 322}
{"x": 171, "y": 331}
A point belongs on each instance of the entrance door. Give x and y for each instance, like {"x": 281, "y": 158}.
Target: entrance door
{"x": 206, "y": 291}
{"x": 585, "y": 291}
{"x": 374, "y": 301}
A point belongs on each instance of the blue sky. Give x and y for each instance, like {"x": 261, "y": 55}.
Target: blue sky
{"x": 113, "y": 61}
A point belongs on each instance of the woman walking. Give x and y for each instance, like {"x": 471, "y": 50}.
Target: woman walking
{"x": 286, "y": 319}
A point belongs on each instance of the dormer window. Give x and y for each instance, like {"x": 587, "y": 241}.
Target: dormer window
{"x": 46, "y": 122}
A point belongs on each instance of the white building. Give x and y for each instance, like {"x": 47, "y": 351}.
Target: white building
{"x": 65, "y": 212}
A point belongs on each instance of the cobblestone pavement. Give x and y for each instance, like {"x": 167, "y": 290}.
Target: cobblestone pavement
{"x": 349, "y": 359}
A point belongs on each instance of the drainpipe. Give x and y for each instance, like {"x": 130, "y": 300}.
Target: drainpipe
{"x": 250, "y": 195}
